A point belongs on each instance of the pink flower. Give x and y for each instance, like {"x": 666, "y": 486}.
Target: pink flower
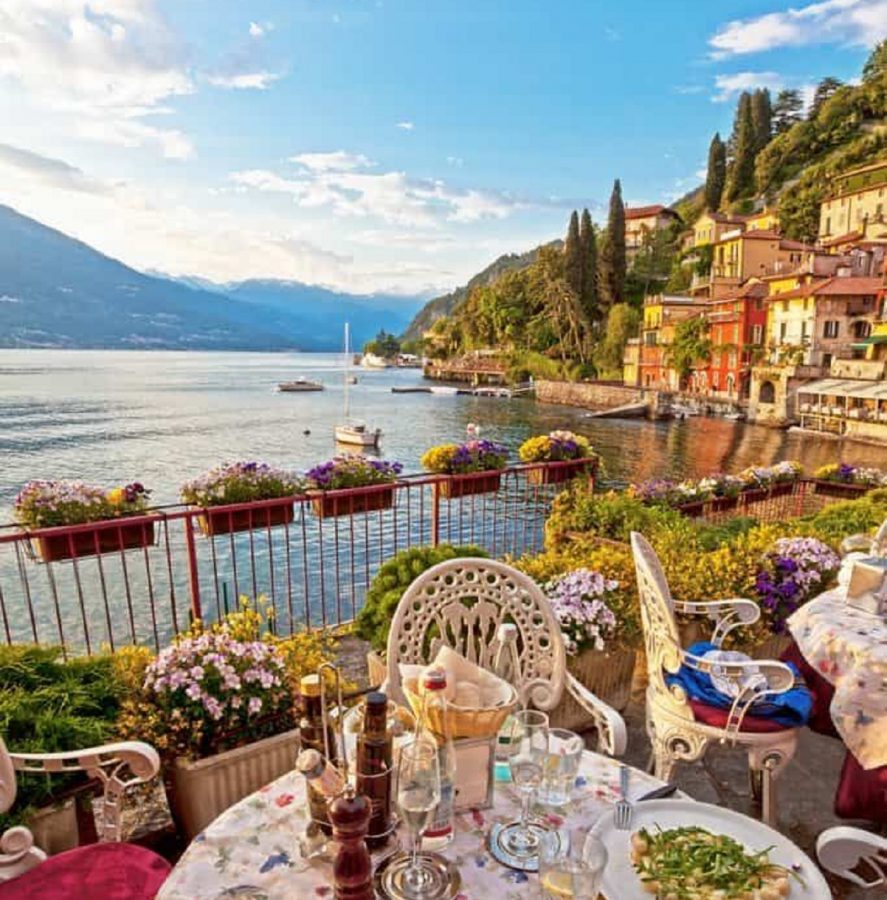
{"x": 284, "y": 800}
{"x": 255, "y": 705}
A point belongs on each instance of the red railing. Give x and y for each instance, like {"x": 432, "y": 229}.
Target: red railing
{"x": 144, "y": 579}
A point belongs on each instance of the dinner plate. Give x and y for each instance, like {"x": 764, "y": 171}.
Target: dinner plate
{"x": 622, "y": 883}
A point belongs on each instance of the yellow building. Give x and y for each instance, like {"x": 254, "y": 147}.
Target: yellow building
{"x": 856, "y": 208}
{"x": 741, "y": 255}
{"x": 710, "y": 227}
{"x": 643, "y": 221}
{"x": 766, "y": 220}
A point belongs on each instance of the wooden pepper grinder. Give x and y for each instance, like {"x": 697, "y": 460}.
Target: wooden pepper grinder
{"x": 352, "y": 867}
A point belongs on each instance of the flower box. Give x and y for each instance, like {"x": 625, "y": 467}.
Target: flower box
{"x": 755, "y": 495}
{"x": 221, "y": 520}
{"x": 840, "y": 489}
{"x": 200, "y": 790}
{"x": 55, "y": 827}
{"x": 558, "y": 473}
{"x": 130, "y": 536}
{"x": 722, "y": 504}
{"x": 782, "y": 488}
{"x": 607, "y": 674}
{"x": 694, "y": 509}
{"x": 336, "y": 503}
{"x": 456, "y": 486}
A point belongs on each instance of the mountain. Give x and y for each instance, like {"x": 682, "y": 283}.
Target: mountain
{"x": 56, "y": 291}
{"x": 442, "y": 306}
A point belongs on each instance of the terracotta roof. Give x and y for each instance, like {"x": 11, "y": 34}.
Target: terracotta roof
{"x": 843, "y": 238}
{"x": 786, "y": 244}
{"x": 645, "y": 212}
{"x": 749, "y": 291}
{"x": 852, "y": 286}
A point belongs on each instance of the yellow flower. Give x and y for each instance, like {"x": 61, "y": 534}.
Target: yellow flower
{"x": 116, "y": 496}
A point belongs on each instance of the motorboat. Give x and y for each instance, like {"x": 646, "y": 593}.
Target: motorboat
{"x": 299, "y": 385}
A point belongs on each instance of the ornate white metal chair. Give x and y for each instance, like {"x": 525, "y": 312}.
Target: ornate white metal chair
{"x": 462, "y": 603}
{"x": 843, "y": 849}
{"x": 682, "y": 729}
{"x": 117, "y": 767}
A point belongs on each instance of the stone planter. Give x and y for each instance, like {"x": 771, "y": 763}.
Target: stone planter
{"x": 199, "y": 791}
{"x": 55, "y": 827}
{"x": 222, "y": 521}
{"x": 456, "y": 486}
{"x": 839, "y": 489}
{"x": 607, "y": 674}
{"x": 133, "y": 535}
{"x": 327, "y": 506}
{"x": 562, "y": 472}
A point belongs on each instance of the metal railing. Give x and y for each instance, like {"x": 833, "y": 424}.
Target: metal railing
{"x": 144, "y": 579}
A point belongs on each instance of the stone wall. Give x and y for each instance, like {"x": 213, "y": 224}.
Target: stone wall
{"x": 590, "y": 395}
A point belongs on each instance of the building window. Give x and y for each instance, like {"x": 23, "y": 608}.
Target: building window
{"x": 828, "y": 224}
{"x": 783, "y": 330}
{"x": 767, "y": 394}
{"x": 785, "y": 305}
{"x": 804, "y": 331}
{"x": 879, "y": 212}
{"x": 827, "y": 360}
{"x": 757, "y": 334}
{"x": 862, "y": 329}
{"x": 831, "y": 329}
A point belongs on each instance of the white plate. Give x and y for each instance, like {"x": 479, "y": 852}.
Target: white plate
{"x": 622, "y": 883}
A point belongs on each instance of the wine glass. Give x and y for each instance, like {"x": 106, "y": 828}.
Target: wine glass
{"x": 418, "y": 793}
{"x": 527, "y": 749}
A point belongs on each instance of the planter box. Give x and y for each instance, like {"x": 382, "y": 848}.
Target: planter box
{"x": 841, "y": 490}
{"x": 221, "y": 521}
{"x": 755, "y": 495}
{"x": 693, "y": 510}
{"x": 457, "y": 486}
{"x": 55, "y": 827}
{"x": 566, "y": 471}
{"x": 200, "y": 791}
{"x": 782, "y": 488}
{"x": 132, "y": 536}
{"x": 607, "y": 674}
{"x": 722, "y": 504}
{"x": 327, "y": 506}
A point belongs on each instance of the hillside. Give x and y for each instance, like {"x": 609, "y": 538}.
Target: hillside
{"x": 444, "y": 305}
{"x": 56, "y": 291}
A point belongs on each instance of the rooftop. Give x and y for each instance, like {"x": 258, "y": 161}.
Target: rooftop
{"x": 645, "y": 212}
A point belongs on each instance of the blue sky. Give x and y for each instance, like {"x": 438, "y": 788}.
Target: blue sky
{"x": 377, "y": 145}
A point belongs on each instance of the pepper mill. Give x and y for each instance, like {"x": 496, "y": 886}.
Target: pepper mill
{"x": 352, "y": 867}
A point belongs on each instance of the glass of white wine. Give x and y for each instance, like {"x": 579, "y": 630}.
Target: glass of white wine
{"x": 571, "y": 865}
{"x": 418, "y": 793}
{"x": 527, "y": 749}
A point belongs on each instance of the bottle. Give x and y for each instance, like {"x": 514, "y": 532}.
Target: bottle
{"x": 374, "y": 756}
{"x": 352, "y": 867}
{"x": 325, "y": 782}
{"x": 436, "y": 729}
{"x": 314, "y": 733}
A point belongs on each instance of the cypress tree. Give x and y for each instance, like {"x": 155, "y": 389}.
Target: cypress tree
{"x": 742, "y": 172}
{"x": 716, "y": 176}
{"x": 573, "y": 256}
{"x": 762, "y": 118}
{"x": 787, "y": 110}
{"x": 588, "y": 243}
{"x": 612, "y": 260}
{"x": 825, "y": 89}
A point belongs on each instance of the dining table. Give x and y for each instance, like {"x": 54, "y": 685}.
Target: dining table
{"x": 253, "y": 849}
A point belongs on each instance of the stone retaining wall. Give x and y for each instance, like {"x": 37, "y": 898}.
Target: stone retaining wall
{"x": 590, "y": 395}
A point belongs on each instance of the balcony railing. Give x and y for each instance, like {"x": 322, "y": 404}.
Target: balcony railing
{"x": 144, "y": 579}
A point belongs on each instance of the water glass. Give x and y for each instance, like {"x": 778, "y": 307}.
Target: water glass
{"x": 418, "y": 793}
{"x": 561, "y": 766}
{"x": 571, "y": 865}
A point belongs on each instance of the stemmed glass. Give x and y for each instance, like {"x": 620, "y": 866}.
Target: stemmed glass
{"x": 527, "y": 749}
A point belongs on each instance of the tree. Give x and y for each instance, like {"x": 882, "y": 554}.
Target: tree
{"x": 761, "y": 117}
{"x": 573, "y": 256}
{"x": 691, "y": 344}
{"x": 742, "y": 172}
{"x": 876, "y": 65}
{"x": 623, "y": 322}
{"x": 383, "y": 344}
{"x": 612, "y": 258}
{"x": 588, "y": 243}
{"x": 716, "y": 174}
{"x": 825, "y": 89}
{"x": 787, "y": 110}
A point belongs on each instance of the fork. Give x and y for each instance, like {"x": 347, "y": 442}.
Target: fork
{"x": 623, "y": 809}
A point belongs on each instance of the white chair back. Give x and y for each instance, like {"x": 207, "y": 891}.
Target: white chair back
{"x": 461, "y": 603}
{"x": 17, "y": 850}
{"x": 842, "y": 849}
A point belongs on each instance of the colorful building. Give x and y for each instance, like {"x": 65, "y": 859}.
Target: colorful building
{"x": 856, "y": 208}
{"x": 643, "y": 221}
{"x": 662, "y": 313}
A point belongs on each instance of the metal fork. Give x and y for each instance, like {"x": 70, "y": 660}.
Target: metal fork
{"x": 623, "y": 809}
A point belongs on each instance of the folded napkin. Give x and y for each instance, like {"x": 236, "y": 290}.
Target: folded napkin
{"x": 468, "y": 685}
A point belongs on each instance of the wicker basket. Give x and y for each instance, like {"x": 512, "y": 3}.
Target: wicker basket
{"x": 466, "y": 721}
{"x": 607, "y": 674}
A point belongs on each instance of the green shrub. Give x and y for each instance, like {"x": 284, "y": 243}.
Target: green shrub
{"x": 393, "y": 578}
{"x": 711, "y": 537}
{"x": 839, "y": 520}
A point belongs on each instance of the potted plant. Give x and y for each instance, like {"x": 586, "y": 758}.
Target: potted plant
{"x": 346, "y": 485}
{"x": 723, "y": 491}
{"x": 690, "y": 497}
{"x": 53, "y": 504}
{"x": 843, "y": 480}
{"x": 232, "y": 484}
{"x": 583, "y": 601}
{"x": 784, "y": 476}
{"x": 762, "y": 482}
{"x": 572, "y": 453}
{"x": 474, "y": 467}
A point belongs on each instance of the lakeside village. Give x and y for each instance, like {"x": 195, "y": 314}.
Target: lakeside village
{"x": 788, "y": 333}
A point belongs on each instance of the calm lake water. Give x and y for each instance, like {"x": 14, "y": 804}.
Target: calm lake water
{"x": 110, "y": 417}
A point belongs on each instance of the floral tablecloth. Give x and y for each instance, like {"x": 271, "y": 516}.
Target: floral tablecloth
{"x": 252, "y": 851}
{"x": 848, "y": 647}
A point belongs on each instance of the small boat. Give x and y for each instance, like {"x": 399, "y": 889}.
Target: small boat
{"x": 350, "y": 432}
{"x": 372, "y": 361}
{"x": 299, "y": 385}
{"x": 351, "y": 379}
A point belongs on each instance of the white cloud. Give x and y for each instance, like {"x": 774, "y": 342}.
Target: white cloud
{"x": 260, "y": 29}
{"x": 100, "y": 66}
{"x": 335, "y": 161}
{"x": 456, "y": 161}
{"x": 729, "y": 85}
{"x": 245, "y": 81}
{"x": 688, "y": 89}
{"x": 855, "y": 22}
{"x": 405, "y": 126}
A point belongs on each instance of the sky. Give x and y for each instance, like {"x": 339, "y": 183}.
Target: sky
{"x": 379, "y": 145}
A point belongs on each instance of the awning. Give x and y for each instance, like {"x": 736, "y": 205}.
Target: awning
{"x": 873, "y": 339}
{"x": 834, "y": 387}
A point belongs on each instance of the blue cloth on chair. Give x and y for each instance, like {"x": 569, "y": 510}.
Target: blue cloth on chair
{"x": 791, "y": 709}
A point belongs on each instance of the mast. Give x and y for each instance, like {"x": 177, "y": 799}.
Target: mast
{"x": 347, "y": 368}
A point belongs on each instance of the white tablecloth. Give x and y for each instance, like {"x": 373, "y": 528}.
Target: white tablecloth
{"x": 252, "y": 851}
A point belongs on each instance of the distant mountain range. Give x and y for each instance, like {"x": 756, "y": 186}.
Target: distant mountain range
{"x": 56, "y": 291}
{"x": 442, "y": 306}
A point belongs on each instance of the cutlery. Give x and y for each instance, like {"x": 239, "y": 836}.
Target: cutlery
{"x": 622, "y": 811}
{"x": 658, "y": 793}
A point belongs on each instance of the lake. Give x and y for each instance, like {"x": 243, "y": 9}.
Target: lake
{"x": 110, "y": 417}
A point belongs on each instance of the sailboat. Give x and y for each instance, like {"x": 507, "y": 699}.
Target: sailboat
{"x": 354, "y": 433}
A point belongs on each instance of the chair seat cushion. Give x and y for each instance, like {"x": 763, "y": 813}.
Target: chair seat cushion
{"x": 94, "y": 872}
{"x": 717, "y": 718}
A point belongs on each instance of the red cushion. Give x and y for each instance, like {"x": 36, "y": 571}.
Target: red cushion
{"x": 717, "y": 718}
{"x": 862, "y": 793}
{"x": 94, "y": 872}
